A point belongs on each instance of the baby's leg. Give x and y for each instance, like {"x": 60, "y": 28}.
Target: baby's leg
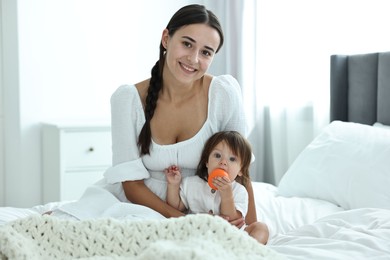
{"x": 258, "y": 231}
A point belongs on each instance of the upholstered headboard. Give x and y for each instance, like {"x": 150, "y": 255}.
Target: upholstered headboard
{"x": 360, "y": 88}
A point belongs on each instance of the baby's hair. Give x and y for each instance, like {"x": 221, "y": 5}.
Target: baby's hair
{"x": 190, "y": 14}
{"x": 239, "y": 146}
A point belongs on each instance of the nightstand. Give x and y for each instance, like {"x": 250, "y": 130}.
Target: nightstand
{"x": 74, "y": 157}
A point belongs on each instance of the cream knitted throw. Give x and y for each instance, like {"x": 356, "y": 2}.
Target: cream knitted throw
{"x": 192, "y": 237}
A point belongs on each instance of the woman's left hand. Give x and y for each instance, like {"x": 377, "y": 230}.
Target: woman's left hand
{"x": 237, "y": 222}
{"x": 240, "y": 222}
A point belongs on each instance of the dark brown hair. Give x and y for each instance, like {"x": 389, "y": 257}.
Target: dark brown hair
{"x": 190, "y": 14}
{"x": 239, "y": 146}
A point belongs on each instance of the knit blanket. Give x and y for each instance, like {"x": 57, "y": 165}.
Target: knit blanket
{"x": 191, "y": 237}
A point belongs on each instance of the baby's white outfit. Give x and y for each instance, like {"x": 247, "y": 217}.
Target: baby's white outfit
{"x": 198, "y": 197}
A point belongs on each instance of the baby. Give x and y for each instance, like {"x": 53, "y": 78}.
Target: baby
{"x": 231, "y": 152}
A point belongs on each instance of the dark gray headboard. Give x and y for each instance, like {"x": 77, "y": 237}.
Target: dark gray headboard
{"x": 360, "y": 88}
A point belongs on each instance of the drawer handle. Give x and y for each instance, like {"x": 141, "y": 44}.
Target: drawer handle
{"x": 91, "y": 149}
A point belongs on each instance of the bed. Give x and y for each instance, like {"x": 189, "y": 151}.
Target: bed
{"x": 332, "y": 203}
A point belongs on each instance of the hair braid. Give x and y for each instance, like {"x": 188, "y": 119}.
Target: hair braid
{"x": 154, "y": 88}
{"x": 155, "y": 84}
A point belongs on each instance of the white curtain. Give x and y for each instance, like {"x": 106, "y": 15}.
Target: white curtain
{"x": 287, "y": 114}
{"x": 278, "y": 131}
{"x": 279, "y": 50}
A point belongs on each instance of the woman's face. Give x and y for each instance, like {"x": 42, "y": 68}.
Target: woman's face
{"x": 190, "y": 51}
{"x": 222, "y": 157}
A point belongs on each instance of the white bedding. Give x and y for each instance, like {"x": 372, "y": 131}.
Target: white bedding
{"x": 283, "y": 214}
{"x": 8, "y": 214}
{"x": 353, "y": 234}
{"x": 301, "y": 228}
{"x": 303, "y": 215}
{"x": 305, "y": 228}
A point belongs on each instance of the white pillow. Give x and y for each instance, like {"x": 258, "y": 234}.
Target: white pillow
{"x": 348, "y": 164}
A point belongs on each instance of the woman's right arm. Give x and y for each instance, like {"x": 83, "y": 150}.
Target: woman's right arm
{"x": 137, "y": 192}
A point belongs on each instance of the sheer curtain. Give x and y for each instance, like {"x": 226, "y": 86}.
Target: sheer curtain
{"x": 292, "y": 82}
{"x": 282, "y": 112}
{"x": 279, "y": 50}
{"x": 279, "y": 129}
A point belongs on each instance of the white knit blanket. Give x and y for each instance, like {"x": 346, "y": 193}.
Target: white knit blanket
{"x": 191, "y": 237}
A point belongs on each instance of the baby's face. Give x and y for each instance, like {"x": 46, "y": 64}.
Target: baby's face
{"x": 222, "y": 157}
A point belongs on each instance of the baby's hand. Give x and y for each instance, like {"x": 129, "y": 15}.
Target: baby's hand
{"x": 173, "y": 174}
{"x": 223, "y": 184}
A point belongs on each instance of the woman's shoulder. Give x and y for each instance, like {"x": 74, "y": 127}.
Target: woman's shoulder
{"x": 226, "y": 83}
{"x": 124, "y": 91}
{"x": 131, "y": 91}
{"x": 225, "y": 104}
{"x": 226, "y": 78}
{"x": 224, "y": 88}
{"x": 126, "y": 96}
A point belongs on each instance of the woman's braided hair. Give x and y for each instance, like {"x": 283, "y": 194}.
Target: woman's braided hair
{"x": 190, "y": 14}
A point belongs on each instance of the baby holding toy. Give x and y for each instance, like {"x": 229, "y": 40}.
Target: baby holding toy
{"x": 227, "y": 155}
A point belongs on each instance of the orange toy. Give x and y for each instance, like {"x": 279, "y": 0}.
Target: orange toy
{"x": 216, "y": 173}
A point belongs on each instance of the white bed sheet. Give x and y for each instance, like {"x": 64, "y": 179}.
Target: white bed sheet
{"x": 353, "y": 234}
{"x": 8, "y": 214}
{"x": 300, "y": 228}
{"x": 305, "y": 228}
{"x": 283, "y": 214}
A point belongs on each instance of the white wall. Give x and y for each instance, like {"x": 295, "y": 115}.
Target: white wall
{"x": 64, "y": 58}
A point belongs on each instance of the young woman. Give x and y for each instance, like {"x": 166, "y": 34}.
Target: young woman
{"x": 165, "y": 120}
{"x": 230, "y": 152}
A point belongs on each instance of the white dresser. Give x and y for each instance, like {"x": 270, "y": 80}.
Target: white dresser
{"x": 74, "y": 157}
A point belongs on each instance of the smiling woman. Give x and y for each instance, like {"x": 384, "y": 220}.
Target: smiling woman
{"x": 155, "y": 122}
